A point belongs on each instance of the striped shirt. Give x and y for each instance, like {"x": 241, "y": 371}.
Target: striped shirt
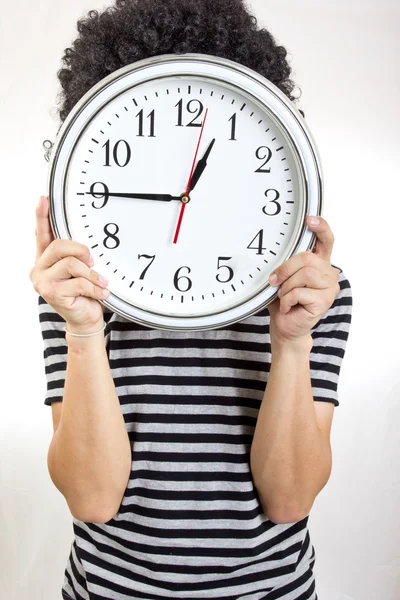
{"x": 190, "y": 524}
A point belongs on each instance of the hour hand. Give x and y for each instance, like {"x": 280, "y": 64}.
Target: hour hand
{"x": 201, "y": 165}
{"x": 159, "y": 197}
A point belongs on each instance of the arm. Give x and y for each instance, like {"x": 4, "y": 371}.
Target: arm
{"x": 290, "y": 456}
{"x": 89, "y": 458}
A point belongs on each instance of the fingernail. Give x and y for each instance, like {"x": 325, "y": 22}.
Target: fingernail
{"x": 103, "y": 280}
{"x": 273, "y": 278}
{"x": 40, "y": 202}
{"x": 91, "y": 261}
{"x": 314, "y": 221}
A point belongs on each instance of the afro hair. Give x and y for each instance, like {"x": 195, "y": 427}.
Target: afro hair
{"x": 131, "y": 30}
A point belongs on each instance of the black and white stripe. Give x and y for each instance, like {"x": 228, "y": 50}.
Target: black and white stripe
{"x": 190, "y": 524}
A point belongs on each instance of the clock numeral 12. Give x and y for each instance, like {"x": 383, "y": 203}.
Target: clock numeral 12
{"x": 199, "y": 110}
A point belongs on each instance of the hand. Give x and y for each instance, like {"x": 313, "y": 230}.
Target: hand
{"x": 182, "y": 212}
{"x": 200, "y": 167}
{"x": 160, "y": 197}
{"x": 308, "y": 288}
{"x": 61, "y": 275}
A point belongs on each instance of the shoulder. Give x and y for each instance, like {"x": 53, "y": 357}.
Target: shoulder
{"x": 339, "y": 315}
{"x": 345, "y": 295}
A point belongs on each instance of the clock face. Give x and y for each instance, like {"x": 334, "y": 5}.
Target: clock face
{"x": 189, "y": 178}
{"x": 244, "y": 210}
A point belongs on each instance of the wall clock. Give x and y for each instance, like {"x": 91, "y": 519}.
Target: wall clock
{"x": 189, "y": 177}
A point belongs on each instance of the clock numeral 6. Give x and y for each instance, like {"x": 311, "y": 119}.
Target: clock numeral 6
{"x": 111, "y": 236}
{"x": 231, "y": 273}
{"x": 115, "y": 153}
{"x": 274, "y": 201}
{"x": 177, "y": 279}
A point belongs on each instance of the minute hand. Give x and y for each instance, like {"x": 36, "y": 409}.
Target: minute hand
{"x": 159, "y": 197}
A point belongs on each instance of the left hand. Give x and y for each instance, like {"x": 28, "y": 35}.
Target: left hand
{"x": 308, "y": 288}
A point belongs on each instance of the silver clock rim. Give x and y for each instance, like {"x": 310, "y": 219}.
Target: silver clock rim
{"x": 180, "y": 65}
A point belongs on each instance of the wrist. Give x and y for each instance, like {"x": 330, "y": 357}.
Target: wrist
{"x": 80, "y": 345}
{"x": 297, "y": 346}
{"x": 84, "y": 329}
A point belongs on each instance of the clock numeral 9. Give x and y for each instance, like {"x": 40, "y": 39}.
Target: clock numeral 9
{"x": 115, "y": 153}
{"x": 112, "y": 236}
{"x": 199, "y": 110}
{"x": 177, "y": 279}
{"x": 260, "y": 169}
{"x": 231, "y": 273}
{"x": 274, "y": 201}
{"x": 104, "y": 194}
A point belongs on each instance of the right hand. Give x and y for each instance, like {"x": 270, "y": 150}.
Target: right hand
{"x": 62, "y": 276}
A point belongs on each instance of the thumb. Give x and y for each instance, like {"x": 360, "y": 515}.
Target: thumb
{"x": 43, "y": 231}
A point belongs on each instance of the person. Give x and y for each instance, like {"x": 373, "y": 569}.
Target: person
{"x": 189, "y": 460}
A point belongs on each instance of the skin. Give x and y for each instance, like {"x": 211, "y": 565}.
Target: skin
{"x": 291, "y": 457}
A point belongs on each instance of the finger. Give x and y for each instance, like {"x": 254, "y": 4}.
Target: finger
{"x": 68, "y": 290}
{"x": 294, "y": 264}
{"x": 69, "y": 267}
{"x": 325, "y": 238}
{"x": 309, "y": 277}
{"x": 309, "y": 299}
{"x": 59, "y": 249}
{"x": 43, "y": 231}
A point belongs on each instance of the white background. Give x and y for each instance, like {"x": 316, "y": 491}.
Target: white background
{"x": 345, "y": 58}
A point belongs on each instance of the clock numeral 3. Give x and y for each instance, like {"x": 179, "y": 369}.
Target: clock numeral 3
{"x": 177, "y": 279}
{"x": 231, "y": 273}
{"x": 199, "y": 110}
{"x": 151, "y": 116}
{"x": 260, "y": 169}
{"x": 115, "y": 153}
{"x": 111, "y": 236}
{"x": 278, "y": 206}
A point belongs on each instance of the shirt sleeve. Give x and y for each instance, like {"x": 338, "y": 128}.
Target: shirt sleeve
{"x": 55, "y": 349}
{"x": 330, "y": 336}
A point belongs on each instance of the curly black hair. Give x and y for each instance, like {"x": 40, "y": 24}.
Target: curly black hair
{"x": 131, "y": 30}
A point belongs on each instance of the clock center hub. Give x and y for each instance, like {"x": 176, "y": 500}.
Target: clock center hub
{"x": 185, "y": 199}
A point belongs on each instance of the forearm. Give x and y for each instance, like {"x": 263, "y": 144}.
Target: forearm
{"x": 90, "y": 455}
{"x": 289, "y": 460}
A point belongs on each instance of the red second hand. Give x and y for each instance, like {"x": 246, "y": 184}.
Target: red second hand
{"x": 178, "y": 228}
